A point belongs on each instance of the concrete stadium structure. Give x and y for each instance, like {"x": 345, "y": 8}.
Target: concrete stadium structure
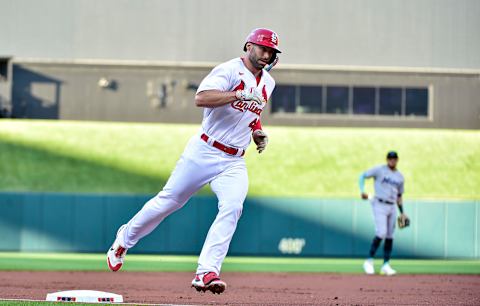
{"x": 345, "y": 63}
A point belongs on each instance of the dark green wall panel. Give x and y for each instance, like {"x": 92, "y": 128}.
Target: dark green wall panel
{"x": 430, "y": 230}
{"x": 32, "y": 234}
{"x": 11, "y": 212}
{"x": 88, "y": 227}
{"x": 337, "y": 238}
{"x": 460, "y": 237}
{"x": 268, "y": 227}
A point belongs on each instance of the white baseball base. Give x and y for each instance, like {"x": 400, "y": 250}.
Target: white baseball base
{"x": 84, "y": 296}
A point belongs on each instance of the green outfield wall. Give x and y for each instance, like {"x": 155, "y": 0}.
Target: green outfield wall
{"x": 48, "y": 222}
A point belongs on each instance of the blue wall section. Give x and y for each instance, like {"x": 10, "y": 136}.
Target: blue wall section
{"x": 269, "y": 226}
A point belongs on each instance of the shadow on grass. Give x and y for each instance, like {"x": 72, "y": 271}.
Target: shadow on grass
{"x": 25, "y": 168}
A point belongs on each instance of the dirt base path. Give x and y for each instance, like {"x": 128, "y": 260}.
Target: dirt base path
{"x": 253, "y": 288}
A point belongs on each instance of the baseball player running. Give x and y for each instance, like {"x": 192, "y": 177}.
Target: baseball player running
{"x": 388, "y": 192}
{"x": 233, "y": 96}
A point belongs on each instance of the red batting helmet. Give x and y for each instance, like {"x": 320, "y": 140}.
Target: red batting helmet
{"x": 263, "y": 37}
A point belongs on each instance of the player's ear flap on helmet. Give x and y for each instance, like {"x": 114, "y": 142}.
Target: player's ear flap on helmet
{"x": 274, "y": 56}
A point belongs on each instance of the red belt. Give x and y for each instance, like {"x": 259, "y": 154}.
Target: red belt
{"x": 222, "y": 147}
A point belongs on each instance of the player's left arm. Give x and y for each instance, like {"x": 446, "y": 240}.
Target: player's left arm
{"x": 400, "y": 198}
{"x": 400, "y": 203}
{"x": 401, "y": 190}
{"x": 259, "y": 136}
{"x": 403, "y": 220}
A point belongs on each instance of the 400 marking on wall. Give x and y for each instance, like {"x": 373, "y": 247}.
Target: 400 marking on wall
{"x": 291, "y": 245}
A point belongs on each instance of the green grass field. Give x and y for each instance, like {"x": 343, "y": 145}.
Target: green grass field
{"x": 309, "y": 162}
{"x": 152, "y": 263}
{"x": 157, "y": 263}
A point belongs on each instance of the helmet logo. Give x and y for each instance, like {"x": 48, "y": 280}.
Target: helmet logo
{"x": 274, "y": 38}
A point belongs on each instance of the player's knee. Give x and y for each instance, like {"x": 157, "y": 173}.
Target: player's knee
{"x": 167, "y": 202}
{"x": 232, "y": 207}
{"x": 237, "y": 207}
{"x": 381, "y": 234}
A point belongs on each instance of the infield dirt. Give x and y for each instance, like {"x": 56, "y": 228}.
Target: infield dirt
{"x": 253, "y": 288}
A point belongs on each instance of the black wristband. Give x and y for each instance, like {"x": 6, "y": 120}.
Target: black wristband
{"x": 400, "y": 208}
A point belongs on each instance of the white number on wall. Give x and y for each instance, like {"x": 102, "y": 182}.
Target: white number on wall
{"x": 291, "y": 245}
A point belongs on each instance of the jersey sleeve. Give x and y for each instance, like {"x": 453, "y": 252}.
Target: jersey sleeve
{"x": 257, "y": 126}
{"x": 217, "y": 79}
{"x": 373, "y": 172}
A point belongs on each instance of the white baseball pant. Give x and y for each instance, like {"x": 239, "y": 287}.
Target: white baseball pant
{"x": 199, "y": 164}
{"x": 384, "y": 216}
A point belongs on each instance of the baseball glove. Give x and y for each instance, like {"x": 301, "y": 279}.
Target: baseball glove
{"x": 403, "y": 221}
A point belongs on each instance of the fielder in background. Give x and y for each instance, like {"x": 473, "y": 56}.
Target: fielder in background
{"x": 389, "y": 189}
{"x": 233, "y": 96}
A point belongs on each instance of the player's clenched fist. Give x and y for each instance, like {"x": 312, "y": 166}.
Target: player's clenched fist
{"x": 254, "y": 95}
{"x": 261, "y": 140}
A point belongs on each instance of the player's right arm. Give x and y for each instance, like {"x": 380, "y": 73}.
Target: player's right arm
{"x": 216, "y": 89}
{"x": 361, "y": 185}
{"x": 361, "y": 180}
{"x": 214, "y": 98}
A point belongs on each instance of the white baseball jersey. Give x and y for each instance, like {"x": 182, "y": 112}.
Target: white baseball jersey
{"x": 388, "y": 184}
{"x": 232, "y": 124}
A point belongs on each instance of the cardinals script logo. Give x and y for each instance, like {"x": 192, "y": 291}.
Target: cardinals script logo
{"x": 274, "y": 38}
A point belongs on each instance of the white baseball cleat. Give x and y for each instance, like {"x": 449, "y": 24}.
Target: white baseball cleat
{"x": 209, "y": 281}
{"x": 116, "y": 254}
{"x": 387, "y": 270}
{"x": 368, "y": 267}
